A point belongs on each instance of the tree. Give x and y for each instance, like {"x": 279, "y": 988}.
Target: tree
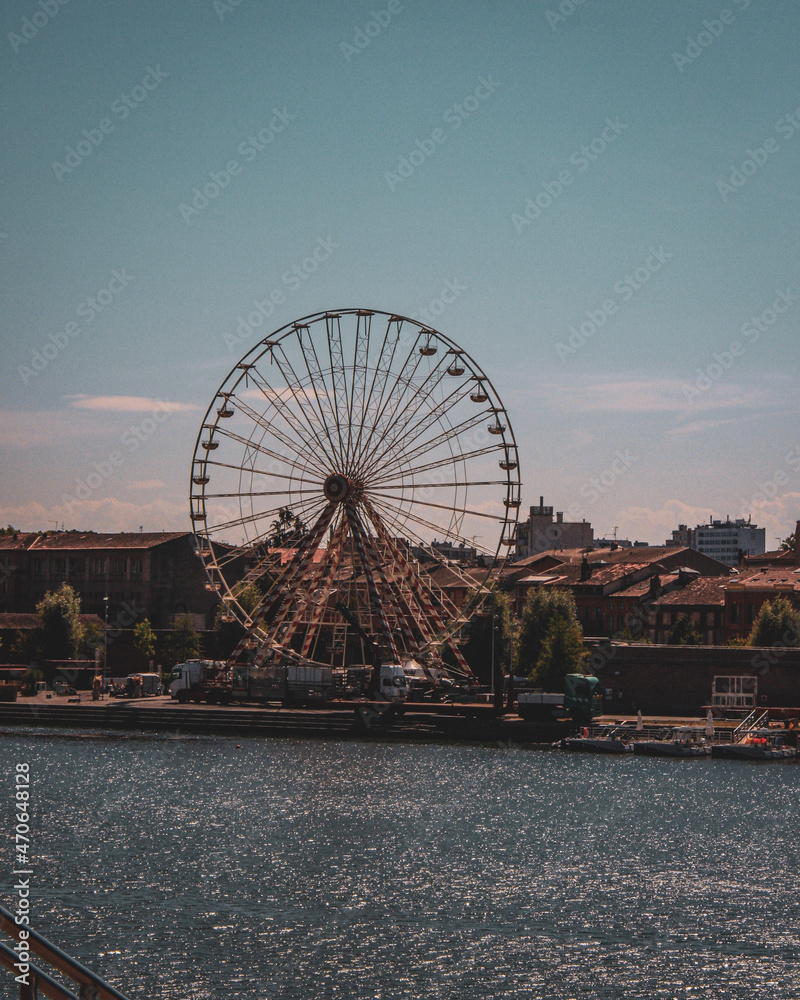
{"x": 496, "y": 612}
{"x": 562, "y": 653}
{"x": 60, "y": 634}
{"x": 144, "y": 639}
{"x": 287, "y": 530}
{"x": 542, "y": 606}
{"x": 184, "y": 643}
{"x": 777, "y": 624}
{"x": 684, "y": 633}
{"x": 789, "y": 544}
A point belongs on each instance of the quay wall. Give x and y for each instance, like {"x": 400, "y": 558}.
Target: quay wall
{"x": 677, "y": 680}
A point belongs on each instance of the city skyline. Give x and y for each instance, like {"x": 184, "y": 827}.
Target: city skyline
{"x": 598, "y": 202}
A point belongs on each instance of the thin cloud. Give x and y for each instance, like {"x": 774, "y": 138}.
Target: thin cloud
{"x": 128, "y": 404}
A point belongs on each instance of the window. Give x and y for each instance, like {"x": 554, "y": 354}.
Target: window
{"x": 117, "y": 567}
{"x": 97, "y": 566}
{"x": 137, "y": 567}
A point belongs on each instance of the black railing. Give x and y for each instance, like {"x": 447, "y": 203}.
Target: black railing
{"x": 90, "y": 986}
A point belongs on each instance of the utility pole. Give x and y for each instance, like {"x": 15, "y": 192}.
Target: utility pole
{"x": 105, "y": 639}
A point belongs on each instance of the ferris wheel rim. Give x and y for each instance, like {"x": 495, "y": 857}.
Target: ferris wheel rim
{"x": 387, "y": 505}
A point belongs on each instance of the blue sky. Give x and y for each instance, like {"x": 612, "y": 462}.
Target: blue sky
{"x": 623, "y": 174}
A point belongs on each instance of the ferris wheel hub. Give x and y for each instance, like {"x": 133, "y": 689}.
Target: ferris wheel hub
{"x": 337, "y": 488}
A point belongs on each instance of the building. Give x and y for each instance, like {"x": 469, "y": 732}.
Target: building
{"x": 541, "y": 531}
{"x": 725, "y": 540}
{"x": 153, "y": 575}
{"x": 618, "y": 590}
{"x": 455, "y": 553}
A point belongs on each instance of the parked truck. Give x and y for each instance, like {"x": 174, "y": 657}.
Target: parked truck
{"x": 287, "y": 683}
{"x": 581, "y": 700}
{"x": 201, "y": 680}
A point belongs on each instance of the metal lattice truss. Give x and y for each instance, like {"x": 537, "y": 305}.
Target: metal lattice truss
{"x": 332, "y": 458}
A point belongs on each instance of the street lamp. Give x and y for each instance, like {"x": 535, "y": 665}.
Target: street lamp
{"x": 105, "y": 639}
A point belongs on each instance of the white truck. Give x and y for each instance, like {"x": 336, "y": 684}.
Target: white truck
{"x": 200, "y": 680}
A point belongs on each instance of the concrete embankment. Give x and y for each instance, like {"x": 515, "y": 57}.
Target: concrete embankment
{"x": 467, "y": 723}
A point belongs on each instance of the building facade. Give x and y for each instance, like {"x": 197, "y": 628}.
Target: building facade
{"x": 542, "y": 531}
{"x": 725, "y": 540}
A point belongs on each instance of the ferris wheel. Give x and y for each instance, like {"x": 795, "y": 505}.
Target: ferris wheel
{"x": 342, "y": 460}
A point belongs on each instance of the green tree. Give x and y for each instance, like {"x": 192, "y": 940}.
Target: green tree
{"x": 684, "y": 633}
{"x": 287, "y": 530}
{"x": 496, "y": 612}
{"x": 60, "y": 634}
{"x": 562, "y": 653}
{"x": 789, "y": 544}
{"x": 184, "y": 643}
{"x": 542, "y": 606}
{"x": 777, "y": 624}
{"x": 144, "y": 639}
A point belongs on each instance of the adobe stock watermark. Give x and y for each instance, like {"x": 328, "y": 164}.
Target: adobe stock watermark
{"x": 451, "y": 290}
{"x": 248, "y": 149}
{"x": 750, "y": 332}
{"x": 379, "y": 21}
{"x": 581, "y": 160}
{"x": 624, "y": 291}
{"x": 293, "y": 279}
{"x": 87, "y": 310}
{"x": 710, "y": 30}
{"x": 755, "y": 159}
{"x": 455, "y": 116}
{"x": 564, "y": 10}
{"x": 770, "y": 488}
{"x": 129, "y": 443}
{"x": 43, "y": 13}
{"x": 121, "y": 108}
{"x": 224, "y": 7}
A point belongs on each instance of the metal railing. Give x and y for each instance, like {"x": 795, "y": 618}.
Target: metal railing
{"x": 90, "y": 986}
{"x": 753, "y": 721}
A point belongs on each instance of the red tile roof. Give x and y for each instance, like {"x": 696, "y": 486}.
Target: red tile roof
{"x": 75, "y": 540}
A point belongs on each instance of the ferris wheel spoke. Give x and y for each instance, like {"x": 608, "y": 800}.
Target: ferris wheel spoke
{"x": 390, "y": 405}
{"x": 401, "y": 413}
{"x": 241, "y": 521}
{"x": 424, "y": 592}
{"x": 430, "y": 419}
{"x": 317, "y": 382}
{"x": 403, "y": 516}
{"x": 277, "y": 401}
{"x": 292, "y": 462}
{"x": 301, "y": 447}
{"x": 413, "y": 443}
{"x": 314, "y": 420}
{"x": 417, "y": 470}
{"x": 379, "y": 377}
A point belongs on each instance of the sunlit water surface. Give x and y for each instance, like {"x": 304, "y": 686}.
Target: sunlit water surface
{"x": 187, "y": 868}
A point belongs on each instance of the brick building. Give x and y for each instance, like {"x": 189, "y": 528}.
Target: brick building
{"x": 154, "y": 575}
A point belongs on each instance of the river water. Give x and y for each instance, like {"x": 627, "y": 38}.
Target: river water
{"x": 185, "y": 867}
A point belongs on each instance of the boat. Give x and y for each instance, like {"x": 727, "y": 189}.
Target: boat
{"x": 684, "y": 741}
{"x": 757, "y": 744}
{"x": 606, "y": 739}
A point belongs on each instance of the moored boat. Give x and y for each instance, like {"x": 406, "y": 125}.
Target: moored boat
{"x": 684, "y": 741}
{"x": 758, "y": 744}
{"x": 611, "y": 739}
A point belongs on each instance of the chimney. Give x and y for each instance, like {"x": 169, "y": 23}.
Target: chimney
{"x": 560, "y": 517}
{"x": 586, "y": 569}
{"x": 797, "y": 544}
{"x": 655, "y": 584}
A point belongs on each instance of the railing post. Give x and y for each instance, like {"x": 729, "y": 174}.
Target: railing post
{"x": 29, "y": 991}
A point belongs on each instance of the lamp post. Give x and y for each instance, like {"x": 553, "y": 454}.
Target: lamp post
{"x": 105, "y": 639}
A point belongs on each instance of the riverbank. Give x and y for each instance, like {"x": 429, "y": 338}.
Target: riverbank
{"x": 424, "y": 722}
